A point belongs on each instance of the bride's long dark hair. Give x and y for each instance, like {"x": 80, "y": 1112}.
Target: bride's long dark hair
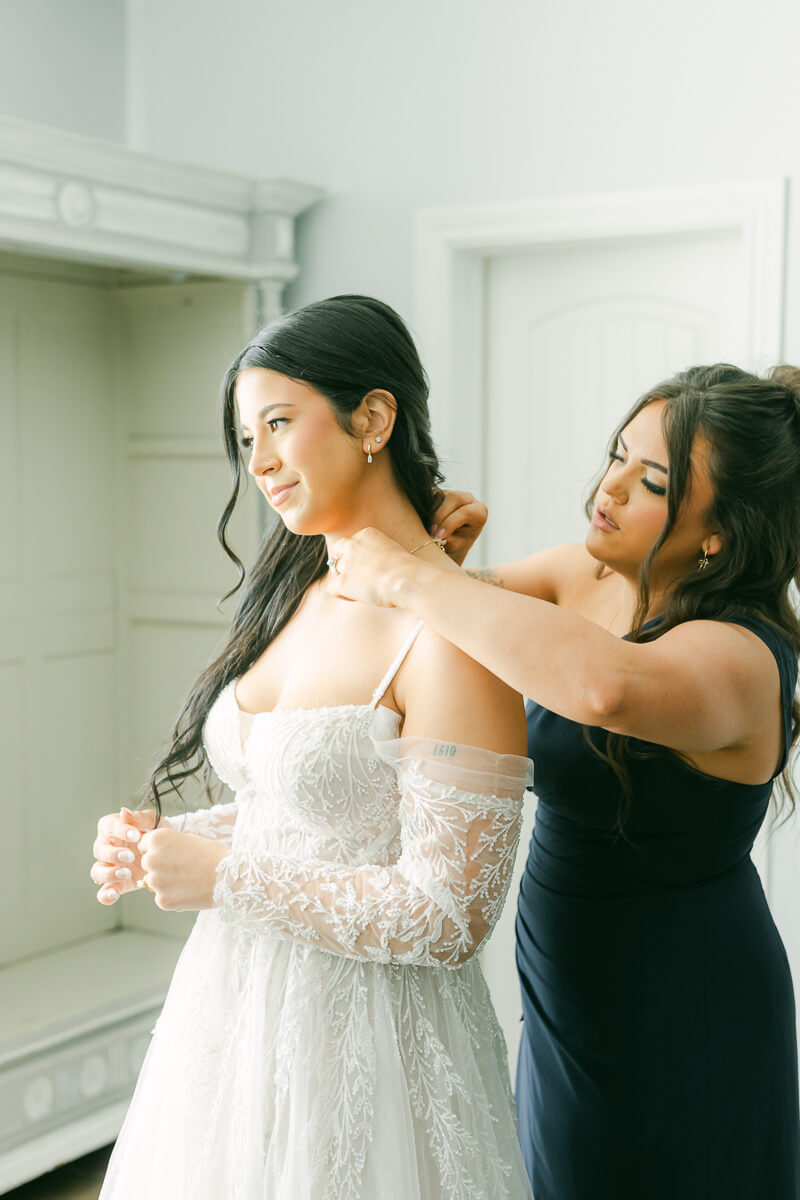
{"x": 343, "y": 347}
{"x": 752, "y": 426}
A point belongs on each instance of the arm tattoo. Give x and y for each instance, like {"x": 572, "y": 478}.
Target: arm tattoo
{"x": 486, "y": 575}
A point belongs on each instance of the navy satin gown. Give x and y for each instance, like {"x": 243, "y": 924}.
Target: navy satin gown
{"x": 659, "y": 1055}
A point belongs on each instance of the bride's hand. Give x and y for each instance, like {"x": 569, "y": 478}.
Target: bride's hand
{"x": 459, "y": 520}
{"x": 181, "y": 868}
{"x": 114, "y": 850}
{"x": 366, "y": 567}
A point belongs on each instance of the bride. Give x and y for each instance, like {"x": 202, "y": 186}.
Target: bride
{"x": 328, "y": 1032}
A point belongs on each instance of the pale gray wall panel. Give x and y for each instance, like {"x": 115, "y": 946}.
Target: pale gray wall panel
{"x": 62, "y": 63}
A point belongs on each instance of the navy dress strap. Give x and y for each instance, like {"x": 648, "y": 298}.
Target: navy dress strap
{"x": 784, "y": 654}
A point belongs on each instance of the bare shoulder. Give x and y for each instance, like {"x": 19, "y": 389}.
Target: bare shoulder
{"x": 573, "y": 569}
{"x": 549, "y": 574}
{"x": 718, "y": 646}
{"x": 445, "y": 694}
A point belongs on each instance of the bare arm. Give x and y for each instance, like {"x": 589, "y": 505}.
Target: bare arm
{"x": 542, "y": 574}
{"x": 703, "y": 686}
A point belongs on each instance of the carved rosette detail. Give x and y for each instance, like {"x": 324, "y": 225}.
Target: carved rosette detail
{"x": 94, "y": 1075}
{"x": 38, "y": 1097}
{"x": 75, "y": 204}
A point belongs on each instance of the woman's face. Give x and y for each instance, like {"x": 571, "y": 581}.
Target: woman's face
{"x": 305, "y": 464}
{"x": 630, "y": 506}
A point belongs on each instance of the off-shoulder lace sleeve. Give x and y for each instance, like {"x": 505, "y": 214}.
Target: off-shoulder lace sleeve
{"x": 460, "y": 814}
{"x": 216, "y": 822}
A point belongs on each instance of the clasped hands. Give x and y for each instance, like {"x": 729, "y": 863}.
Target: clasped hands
{"x": 180, "y": 867}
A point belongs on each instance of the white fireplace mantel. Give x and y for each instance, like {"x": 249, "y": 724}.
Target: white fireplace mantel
{"x": 81, "y": 198}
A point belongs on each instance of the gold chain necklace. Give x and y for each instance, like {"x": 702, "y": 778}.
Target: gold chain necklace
{"x": 438, "y": 542}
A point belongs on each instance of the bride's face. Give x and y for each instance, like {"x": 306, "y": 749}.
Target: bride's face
{"x": 308, "y": 468}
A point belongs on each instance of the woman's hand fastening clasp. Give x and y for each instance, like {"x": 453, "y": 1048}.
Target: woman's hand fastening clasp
{"x": 367, "y": 567}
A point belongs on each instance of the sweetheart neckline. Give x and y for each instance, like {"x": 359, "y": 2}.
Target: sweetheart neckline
{"x": 269, "y": 712}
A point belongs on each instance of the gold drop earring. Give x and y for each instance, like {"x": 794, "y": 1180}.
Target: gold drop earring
{"x": 369, "y": 449}
{"x": 702, "y": 563}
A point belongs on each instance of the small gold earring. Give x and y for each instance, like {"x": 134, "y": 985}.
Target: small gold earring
{"x": 369, "y": 452}
{"x": 702, "y": 563}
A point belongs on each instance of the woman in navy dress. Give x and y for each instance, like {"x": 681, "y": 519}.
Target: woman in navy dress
{"x": 659, "y": 1056}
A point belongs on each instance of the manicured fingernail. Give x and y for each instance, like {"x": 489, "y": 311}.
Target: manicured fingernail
{"x": 126, "y": 856}
{"x": 123, "y": 873}
{"x": 133, "y": 835}
{"x": 439, "y": 532}
{"x": 111, "y": 894}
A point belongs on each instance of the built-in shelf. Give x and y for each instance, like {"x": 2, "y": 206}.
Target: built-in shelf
{"x": 75, "y": 1024}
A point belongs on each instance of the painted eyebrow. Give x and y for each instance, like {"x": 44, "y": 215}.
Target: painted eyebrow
{"x": 648, "y": 462}
{"x": 269, "y": 408}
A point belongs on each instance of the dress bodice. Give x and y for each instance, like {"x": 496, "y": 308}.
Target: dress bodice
{"x": 308, "y": 780}
{"x": 347, "y": 836}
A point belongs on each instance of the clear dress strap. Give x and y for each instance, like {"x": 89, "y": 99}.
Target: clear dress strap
{"x": 394, "y": 668}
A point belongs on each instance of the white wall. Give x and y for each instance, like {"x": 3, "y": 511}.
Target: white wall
{"x": 62, "y": 63}
{"x": 391, "y": 107}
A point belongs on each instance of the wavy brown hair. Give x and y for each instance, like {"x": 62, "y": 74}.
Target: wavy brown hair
{"x": 344, "y": 347}
{"x": 752, "y": 427}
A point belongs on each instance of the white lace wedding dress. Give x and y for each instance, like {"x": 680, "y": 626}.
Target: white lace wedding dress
{"x": 327, "y": 1033}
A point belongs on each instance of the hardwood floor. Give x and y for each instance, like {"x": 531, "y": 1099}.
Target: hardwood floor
{"x": 78, "y": 1180}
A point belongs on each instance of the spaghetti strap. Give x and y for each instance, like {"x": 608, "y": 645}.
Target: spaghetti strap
{"x": 393, "y": 669}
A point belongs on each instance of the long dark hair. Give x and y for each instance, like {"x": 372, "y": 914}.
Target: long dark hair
{"x": 344, "y": 347}
{"x": 752, "y": 426}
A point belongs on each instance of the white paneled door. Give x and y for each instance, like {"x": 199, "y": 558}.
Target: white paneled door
{"x": 573, "y": 332}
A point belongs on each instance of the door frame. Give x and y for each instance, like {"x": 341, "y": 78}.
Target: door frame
{"x": 452, "y": 245}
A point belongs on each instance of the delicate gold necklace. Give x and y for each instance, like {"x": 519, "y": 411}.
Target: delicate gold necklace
{"x": 438, "y": 542}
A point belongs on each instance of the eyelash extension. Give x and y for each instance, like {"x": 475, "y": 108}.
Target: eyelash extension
{"x": 246, "y": 442}
{"x": 651, "y": 487}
